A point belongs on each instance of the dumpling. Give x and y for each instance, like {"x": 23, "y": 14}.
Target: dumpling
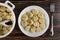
{"x": 0, "y": 18}
{"x": 8, "y": 11}
{"x": 36, "y": 24}
{"x": 40, "y": 15}
{"x": 27, "y": 28}
{"x": 42, "y": 26}
{"x": 5, "y": 30}
{"x": 24, "y": 23}
{"x": 1, "y": 32}
{"x": 33, "y": 29}
{"x": 2, "y": 8}
{"x": 35, "y": 18}
{"x": 38, "y": 29}
{"x": 41, "y": 21}
{"x": 8, "y": 17}
{"x": 29, "y": 14}
{"x": 0, "y": 14}
{"x": 34, "y": 11}
{"x": 24, "y": 17}
{"x": 8, "y": 27}
{"x": 11, "y": 18}
{"x": 30, "y": 22}
{"x": 1, "y": 27}
{"x": 4, "y": 13}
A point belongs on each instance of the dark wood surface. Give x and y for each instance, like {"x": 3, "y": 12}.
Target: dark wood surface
{"x": 20, "y": 5}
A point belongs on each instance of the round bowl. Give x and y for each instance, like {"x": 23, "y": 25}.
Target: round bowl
{"x": 35, "y": 34}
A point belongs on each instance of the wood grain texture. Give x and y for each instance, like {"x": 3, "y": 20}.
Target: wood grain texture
{"x": 20, "y": 5}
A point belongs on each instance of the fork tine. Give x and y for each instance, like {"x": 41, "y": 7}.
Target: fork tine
{"x": 52, "y": 7}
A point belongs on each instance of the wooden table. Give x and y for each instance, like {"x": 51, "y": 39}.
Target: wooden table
{"x": 20, "y": 5}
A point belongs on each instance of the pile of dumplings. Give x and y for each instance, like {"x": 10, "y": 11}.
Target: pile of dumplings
{"x": 33, "y": 21}
{"x": 5, "y": 14}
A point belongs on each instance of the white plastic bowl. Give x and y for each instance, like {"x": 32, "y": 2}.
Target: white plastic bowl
{"x": 36, "y": 34}
{"x": 11, "y": 9}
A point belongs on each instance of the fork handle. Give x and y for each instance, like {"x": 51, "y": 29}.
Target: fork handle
{"x": 52, "y": 31}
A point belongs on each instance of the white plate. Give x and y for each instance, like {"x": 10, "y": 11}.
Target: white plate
{"x": 36, "y": 34}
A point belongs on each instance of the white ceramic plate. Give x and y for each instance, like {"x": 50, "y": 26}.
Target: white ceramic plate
{"x": 36, "y": 34}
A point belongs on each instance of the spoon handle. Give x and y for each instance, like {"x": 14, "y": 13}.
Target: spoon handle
{"x": 3, "y": 22}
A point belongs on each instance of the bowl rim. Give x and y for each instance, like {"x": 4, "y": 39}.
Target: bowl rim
{"x": 3, "y": 4}
{"x": 20, "y": 19}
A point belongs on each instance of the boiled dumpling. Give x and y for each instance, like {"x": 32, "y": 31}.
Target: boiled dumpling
{"x": 24, "y": 17}
{"x": 35, "y": 18}
{"x": 38, "y": 29}
{"x": 41, "y": 21}
{"x": 2, "y": 8}
{"x": 42, "y": 26}
{"x": 27, "y": 28}
{"x": 24, "y": 23}
{"x": 34, "y": 11}
{"x": 0, "y": 18}
{"x": 5, "y": 30}
{"x": 40, "y": 15}
{"x": 36, "y": 24}
{"x": 33, "y": 29}
{"x": 11, "y": 18}
{"x": 30, "y": 22}
{"x": 29, "y": 14}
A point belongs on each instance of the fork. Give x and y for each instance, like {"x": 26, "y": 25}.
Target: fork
{"x": 52, "y": 9}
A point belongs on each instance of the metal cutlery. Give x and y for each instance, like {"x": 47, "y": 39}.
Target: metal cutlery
{"x": 52, "y": 9}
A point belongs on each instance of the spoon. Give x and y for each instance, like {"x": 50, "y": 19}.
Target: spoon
{"x": 6, "y": 22}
